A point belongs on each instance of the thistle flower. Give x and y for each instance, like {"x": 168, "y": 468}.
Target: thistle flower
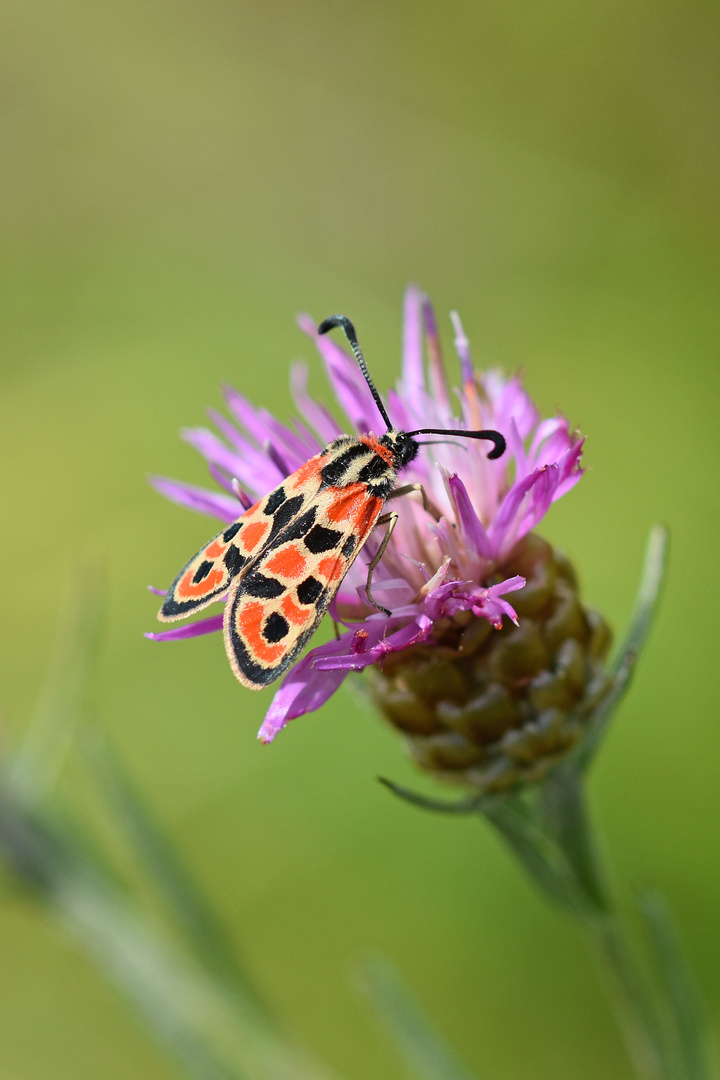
{"x": 487, "y": 690}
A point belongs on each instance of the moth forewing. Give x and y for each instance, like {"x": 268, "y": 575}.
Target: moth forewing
{"x": 274, "y": 608}
{"x": 210, "y": 572}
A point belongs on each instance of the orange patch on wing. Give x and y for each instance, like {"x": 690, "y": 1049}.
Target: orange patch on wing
{"x": 289, "y": 562}
{"x": 251, "y": 536}
{"x": 187, "y": 589}
{"x": 249, "y": 620}
{"x": 348, "y": 504}
{"x": 303, "y": 474}
{"x": 366, "y": 519}
{"x": 332, "y": 568}
{"x": 215, "y": 550}
{"x": 293, "y": 613}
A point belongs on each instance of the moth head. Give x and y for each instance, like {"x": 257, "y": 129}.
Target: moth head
{"x": 403, "y": 447}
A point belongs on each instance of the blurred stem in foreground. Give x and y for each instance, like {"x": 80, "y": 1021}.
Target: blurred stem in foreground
{"x": 548, "y": 829}
{"x": 181, "y": 970}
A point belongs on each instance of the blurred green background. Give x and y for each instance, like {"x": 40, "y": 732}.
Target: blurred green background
{"x": 178, "y": 180}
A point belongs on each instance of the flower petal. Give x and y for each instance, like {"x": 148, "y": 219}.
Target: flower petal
{"x": 438, "y": 379}
{"x": 303, "y": 690}
{"x": 253, "y": 468}
{"x": 504, "y": 531}
{"x": 346, "y": 378}
{"x": 316, "y": 415}
{"x": 462, "y": 348}
{"x": 470, "y": 524}
{"x": 196, "y": 498}
{"x": 356, "y": 660}
{"x": 413, "y": 374}
{"x": 189, "y": 630}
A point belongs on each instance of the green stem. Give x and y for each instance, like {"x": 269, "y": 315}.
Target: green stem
{"x": 566, "y": 818}
{"x": 634, "y": 1012}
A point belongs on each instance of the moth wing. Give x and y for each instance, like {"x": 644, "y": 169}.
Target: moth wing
{"x": 209, "y": 574}
{"x": 275, "y": 606}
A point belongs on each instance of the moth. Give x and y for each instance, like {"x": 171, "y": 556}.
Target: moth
{"x": 281, "y": 563}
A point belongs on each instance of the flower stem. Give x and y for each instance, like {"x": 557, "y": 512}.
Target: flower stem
{"x": 648, "y": 1022}
{"x": 635, "y": 1014}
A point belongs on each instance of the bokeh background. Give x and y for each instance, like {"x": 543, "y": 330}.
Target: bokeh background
{"x": 178, "y": 180}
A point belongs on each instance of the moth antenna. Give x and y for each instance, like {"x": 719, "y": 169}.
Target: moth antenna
{"x": 347, "y": 326}
{"x": 440, "y": 442}
{"x": 493, "y": 436}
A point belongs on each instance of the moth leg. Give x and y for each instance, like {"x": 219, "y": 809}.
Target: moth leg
{"x": 390, "y": 520}
{"x": 336, "y": 628}
{"x": 428, "y": 505}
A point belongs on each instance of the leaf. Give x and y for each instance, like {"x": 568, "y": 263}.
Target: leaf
{"x": 682, "y": 1002}
{"x": 424, "y": 1051}
{"x": 426, "y": 802}
{"x": 37, "y": 762}
{"x": 203, "y": 929}
{"x": 623, "y": 669}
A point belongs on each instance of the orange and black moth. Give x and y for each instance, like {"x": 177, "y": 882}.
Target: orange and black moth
{"x": 281, "y": 563}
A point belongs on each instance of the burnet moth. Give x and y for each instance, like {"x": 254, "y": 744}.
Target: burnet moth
{"x": 281, "y": 563}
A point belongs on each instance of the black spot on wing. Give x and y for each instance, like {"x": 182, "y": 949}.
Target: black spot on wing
{"x": 275, "y": 501}
{"x": 258, "y": 674}
{"x": 320, "y": 539}
{"x": 257, "y": 584}
{"x": 348, "y": 547}
{"x": 309, "y": 590}
{"x": 232, "y": 530}
{"x": 276, "y": 628}
{"x": 202, "y": 571}
{"x": 234, "y": 560}
{"x": 301, "y": 526}
{"x": 285, "y": 513}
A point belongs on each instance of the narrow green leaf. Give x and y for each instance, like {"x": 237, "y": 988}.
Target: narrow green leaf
{"x": 426, "y": 802}
{"x": 682, "y": 1004}
{"x": 38, "y": 760}
{"x": 423, "y": 1050}
{"x": 654, "y": 570}
{"x": 201, "y": 926}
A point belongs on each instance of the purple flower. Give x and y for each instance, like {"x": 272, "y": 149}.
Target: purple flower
{"x": 437, "y": 565}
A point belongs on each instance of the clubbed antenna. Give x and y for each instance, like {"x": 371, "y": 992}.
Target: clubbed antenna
{"x": 344, "y": 322}
{"x": 494, "y": 436}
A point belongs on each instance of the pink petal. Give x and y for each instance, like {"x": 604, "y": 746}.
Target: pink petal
{"x": 303, "y": 690}
{"x": 470, "y": 524}
{"x": 438, "y": 380}
{"x": 246, "y": 413}
{"x": 462, "y": 348}
{"x": 189, "y": 630}
{"x": 355, "y": 660}
{"x": 316, "y": 415}
{"x": 195, "y": 498}
{"x": 413, "y": 375}
{"x": 346, "y": 378}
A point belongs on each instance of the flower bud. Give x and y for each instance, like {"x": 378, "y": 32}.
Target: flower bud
{"x": 495, "y": 708}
